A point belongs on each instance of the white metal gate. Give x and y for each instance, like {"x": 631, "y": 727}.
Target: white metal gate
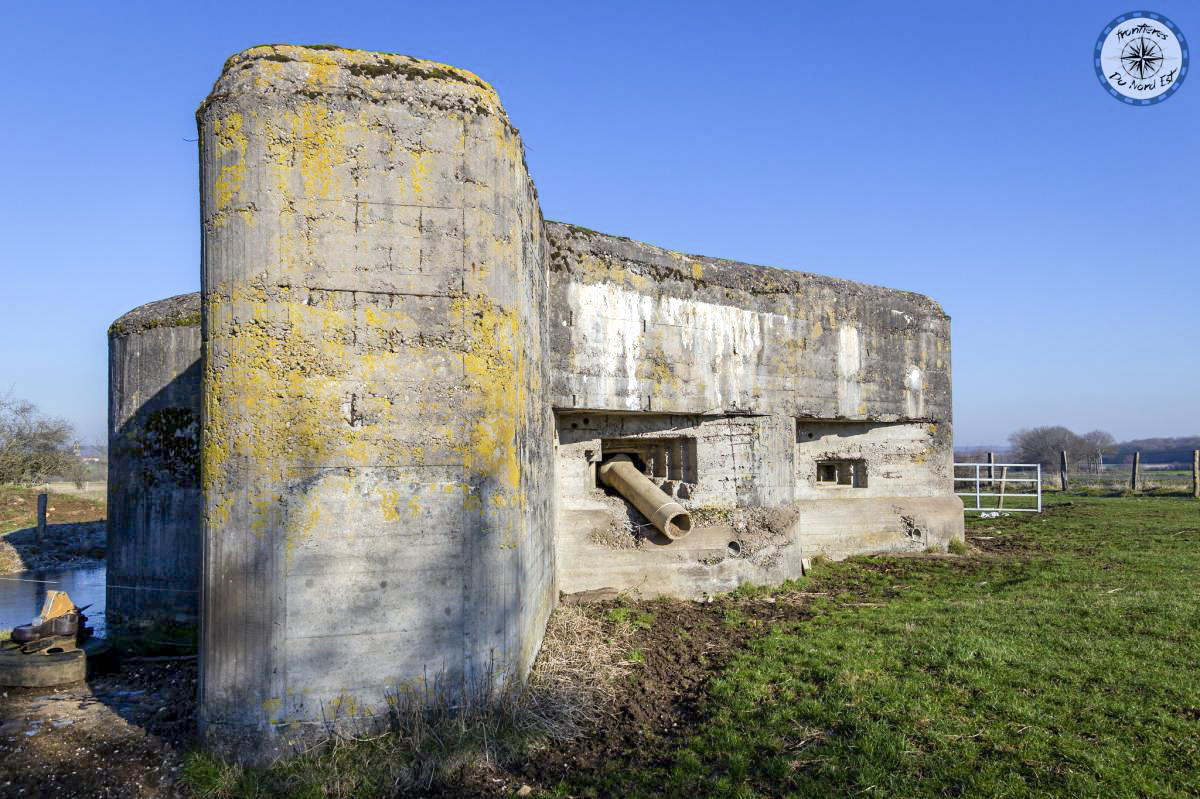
{"x": 985, "y": 486}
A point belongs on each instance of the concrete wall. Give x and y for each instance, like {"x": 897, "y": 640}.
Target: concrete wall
{"x": 639, "y": 328}
{"x": 903, "y": 459}
{"x": 377, "y": 439}
{"x": 753, "y": 489}
{"x": 772, "y": 374}
{"x": 154, "y": 465}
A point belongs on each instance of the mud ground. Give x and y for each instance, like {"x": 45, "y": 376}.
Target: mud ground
{"x": 120, "y": 734}
{"x": 685, "y": 644}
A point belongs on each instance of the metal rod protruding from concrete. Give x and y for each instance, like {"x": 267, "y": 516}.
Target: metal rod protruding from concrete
{"x": 621, "y": 475}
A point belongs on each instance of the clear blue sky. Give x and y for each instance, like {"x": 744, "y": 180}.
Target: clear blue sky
{"x": 964, "y": 150}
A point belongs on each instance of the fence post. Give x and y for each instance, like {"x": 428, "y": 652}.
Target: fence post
{"x": 1003, "y": 483}
{"x": 1062, "y": 468}
{"x": 1136, "y": 471}
{"x": 1196, "y": 473}
{"x": 41, "y": 518}
{"x": 1039, "y": 486}
{"x": 977, "y": 486}
{"x": 991, "y": 471}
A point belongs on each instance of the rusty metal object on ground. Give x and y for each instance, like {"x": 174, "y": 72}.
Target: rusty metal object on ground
{"x": 56, "y": 629}
{"x": 57, "y": 603}
{"x": 668, "y": 516}
{"x": 46, "y": 653}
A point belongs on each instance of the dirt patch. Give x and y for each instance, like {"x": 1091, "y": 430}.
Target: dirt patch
{"x": 998, "y": 541}
{"x": 118, "y": 735}
{"x": 676, "y": 650}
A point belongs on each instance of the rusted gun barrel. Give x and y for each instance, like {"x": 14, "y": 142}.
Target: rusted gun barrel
{"x": 621, "y": 475}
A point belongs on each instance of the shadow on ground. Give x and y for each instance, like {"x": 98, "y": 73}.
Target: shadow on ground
{"x": 120, "y": 734}
{"x": 64, "y": 546}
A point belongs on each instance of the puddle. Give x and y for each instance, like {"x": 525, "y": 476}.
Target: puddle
{"x": 21, "y": 594}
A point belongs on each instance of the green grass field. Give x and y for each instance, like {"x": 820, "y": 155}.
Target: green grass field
{"x": 1065, "y": 668}
{"x": 1059, "y": 658}
{"x": 18, "y": 508}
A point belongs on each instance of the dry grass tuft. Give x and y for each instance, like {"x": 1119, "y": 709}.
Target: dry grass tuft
{"x": 573, "y": 680}
{"x": 10, "y": 560}
{"x": 439, "y": 734}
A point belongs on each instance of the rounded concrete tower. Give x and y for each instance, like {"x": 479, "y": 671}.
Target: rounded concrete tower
{"x": 154, "y": 463}
{"x": 376, "y": 441}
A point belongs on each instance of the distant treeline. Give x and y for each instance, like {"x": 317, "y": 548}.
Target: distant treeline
{"x": 1043, "y": 444}
{"x": 1155, "y": 450}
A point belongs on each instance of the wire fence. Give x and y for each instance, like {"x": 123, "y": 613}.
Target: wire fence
{"x": 1173, "y": 481}
{"x": 1176, "y": 479}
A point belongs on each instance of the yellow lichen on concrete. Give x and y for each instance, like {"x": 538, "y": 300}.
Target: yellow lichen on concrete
{"x": 655, "y": 367}
{"x": 280, "y": 156}
{"x": 601, "y": 270}
{"x": 322, "y": 73}
{"x": 419, "y": 173}
{"x": 346, "y": 705}
{"x": 494, "y": 367}
{"x": 230, "y": 150}
{"x": 270, "y": 74}
{"x": 390, "y": 502}
{"x": 319, "y": 136}
{"x": 215, "y": 443}
{"x": 323, "y": 67}
{"x": 264, "y": 515}
{"x": 302, "y": 522}
{"x": 269, "y": 378}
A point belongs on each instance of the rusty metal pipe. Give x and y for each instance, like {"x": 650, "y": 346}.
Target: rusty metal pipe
{"x": 621, "y": 475}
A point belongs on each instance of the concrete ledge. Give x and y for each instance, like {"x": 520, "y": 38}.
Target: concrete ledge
{"x": 716, "y": 559}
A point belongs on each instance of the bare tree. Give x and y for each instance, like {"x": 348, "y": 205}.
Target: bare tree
{"x": 1043, "y": 445}
{"x": 1099, "y": 442}
{"x": 34, "y": 446}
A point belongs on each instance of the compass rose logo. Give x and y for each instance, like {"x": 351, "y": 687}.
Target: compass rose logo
{"x": 1141, "y": 58}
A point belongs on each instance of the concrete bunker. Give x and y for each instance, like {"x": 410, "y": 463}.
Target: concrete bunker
{"x": 408, "y": 384}
{"x": 154, "y": 539}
